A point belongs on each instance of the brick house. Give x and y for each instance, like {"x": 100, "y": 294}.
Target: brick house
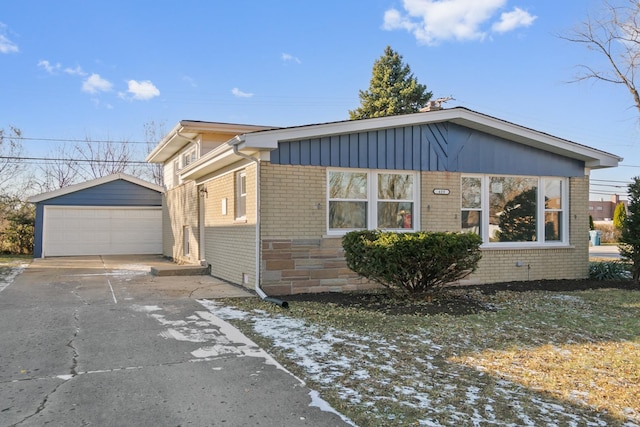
{"x": 266, "y": 207}
{"x": 603, "y": 210}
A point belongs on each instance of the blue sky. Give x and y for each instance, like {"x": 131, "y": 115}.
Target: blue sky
{"x": 102, "y": 69}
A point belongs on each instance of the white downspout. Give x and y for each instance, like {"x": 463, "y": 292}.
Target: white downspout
{"x": 202, "y": 192}
{"x": 238, "y": 140}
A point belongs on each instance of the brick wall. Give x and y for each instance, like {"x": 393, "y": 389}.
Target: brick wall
{"x": 229, "y": 244}
{"x": 297, "y": 256}
{"x": 440, "y": 212}
{"x": 180, "y": 209}
{"x": 293, "y": 201}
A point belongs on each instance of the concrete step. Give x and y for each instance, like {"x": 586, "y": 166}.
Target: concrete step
{"x": 180, "y": 270}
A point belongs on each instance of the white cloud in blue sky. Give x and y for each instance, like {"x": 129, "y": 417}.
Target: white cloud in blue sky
{"x": 95, "y": 84}
{"x": 49, "y": 67}
{"x": 240, "y": 94}
{"x": 435, "y": 21}
{"x": 6, "y": 45}
{"x": 509, "y": 21}
{"x": 54, "y": 69}
{"x": 142, "y": 90}
{"x": 286, "y": 57}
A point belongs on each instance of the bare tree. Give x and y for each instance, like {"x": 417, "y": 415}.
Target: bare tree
{"x": 614, "y": 34}
{"x": 153, "y": 132}
{"x": 11, "y": 164}
{"x": 96, "y": 159}
{"x": 86, "y": 160}
{"x": 59, "y": 172}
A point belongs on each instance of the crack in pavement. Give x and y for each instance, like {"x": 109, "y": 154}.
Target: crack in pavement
{"x": 73, "y": 368}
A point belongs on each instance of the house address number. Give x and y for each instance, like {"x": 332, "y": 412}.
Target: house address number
{"x": 441, "y": 191}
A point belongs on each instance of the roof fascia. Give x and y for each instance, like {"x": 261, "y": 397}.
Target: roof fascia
{"x": 593, "y": 158}
{"x": 187, "y": 130}
{"x": 93, "y": 183}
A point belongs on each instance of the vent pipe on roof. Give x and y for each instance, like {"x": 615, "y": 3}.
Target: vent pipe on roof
{"x": 435, "y": 105}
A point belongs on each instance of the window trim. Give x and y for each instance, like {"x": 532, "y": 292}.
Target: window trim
{"x": 239, "y": 176}
{"x": 372, "y": 199}
{"x": 540, "y": 213}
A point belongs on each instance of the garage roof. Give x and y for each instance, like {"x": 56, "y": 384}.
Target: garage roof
{"x": 92, "y": 183}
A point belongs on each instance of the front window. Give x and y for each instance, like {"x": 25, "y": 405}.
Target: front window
{"x": 471, "y": 205}
{"x": 241, "y": 195}
{"x": 347, "y": 200}
{"x": 371, "y": 199}
{"x": 514, "y": 209}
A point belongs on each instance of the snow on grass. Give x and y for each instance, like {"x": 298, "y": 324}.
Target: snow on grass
{"x": 434, "y": 371}
{"x": 8, "y": 274}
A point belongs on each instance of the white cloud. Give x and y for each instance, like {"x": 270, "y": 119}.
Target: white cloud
{"x": 142, "y": 90}
{"x": 511, "y": 20}
{"x": 48, "y": 67}
{"x": 190, "y": 80}
{"x": 6, "y": 45}
{"x": 94, "y": 84}
{"x": 240, "y": 94}
{"x": 78, "y": 71}
{"x": 290, "y": 58}
{"x": 434, "y": 21}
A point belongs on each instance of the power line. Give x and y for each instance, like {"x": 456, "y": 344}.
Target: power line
{"x": 52, "y": 159}
{"x": 22, "y": 138}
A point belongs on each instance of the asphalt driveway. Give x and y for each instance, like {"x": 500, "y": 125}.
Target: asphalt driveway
{"x": 98, "y": 341}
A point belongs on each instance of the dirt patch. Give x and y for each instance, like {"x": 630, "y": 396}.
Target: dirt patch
{"x": 459, "y": 300}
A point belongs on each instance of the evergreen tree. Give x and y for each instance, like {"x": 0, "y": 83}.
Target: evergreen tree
{"x": 630, "y": 237}
{"x": 393, "y": 90}
{"x": 619, "y": 216}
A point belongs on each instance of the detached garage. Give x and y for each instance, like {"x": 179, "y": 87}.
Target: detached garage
{"x": 114, "y": 215}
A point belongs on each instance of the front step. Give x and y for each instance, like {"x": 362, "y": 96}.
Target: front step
{"x": 180, "y": 270}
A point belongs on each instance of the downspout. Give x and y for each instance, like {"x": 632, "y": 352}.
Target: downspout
{"x": 259, "y": 291}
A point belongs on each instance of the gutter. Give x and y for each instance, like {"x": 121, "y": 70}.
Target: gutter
{"x": 234, "y": 143}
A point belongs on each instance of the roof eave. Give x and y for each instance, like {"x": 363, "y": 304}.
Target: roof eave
{"x": 92, "y": 183}
{"x": 599, "y": 159}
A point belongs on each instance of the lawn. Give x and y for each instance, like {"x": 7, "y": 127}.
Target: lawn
{"x": 11, "y": 266}
{"x": 503, "y": 356}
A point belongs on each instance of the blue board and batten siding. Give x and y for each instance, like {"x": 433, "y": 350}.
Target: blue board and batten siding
{"x": 117, "y": 193}
{"x": 431, "y": 147}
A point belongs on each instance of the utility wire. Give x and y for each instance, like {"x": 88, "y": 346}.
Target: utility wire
{"x": 51, "y": 159}
{"x": 22, "y": 138}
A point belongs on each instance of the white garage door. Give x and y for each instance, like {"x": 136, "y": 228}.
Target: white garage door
{"x": 101, "y": 231}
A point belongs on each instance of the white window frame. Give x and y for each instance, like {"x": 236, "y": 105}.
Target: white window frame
{"x": 372, "y": 199}
{"x": 176, "y": 172}
{"x": 241, "y": 194}
{"x": 540, "y": 212}
{"x": 189, "y": 157}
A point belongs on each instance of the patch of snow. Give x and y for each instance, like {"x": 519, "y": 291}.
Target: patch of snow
{"x": 318, "y": 402}
{"x": 7, "y": 279}
{"x": 222, "y": 311}
{"x": 145, "y": 308}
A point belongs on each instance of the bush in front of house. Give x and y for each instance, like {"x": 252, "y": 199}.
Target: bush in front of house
{"x": 412, "y": 264}
{"x": 609, "y": 270}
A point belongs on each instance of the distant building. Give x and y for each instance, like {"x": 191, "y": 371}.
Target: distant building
{"x": 603, "y": 210}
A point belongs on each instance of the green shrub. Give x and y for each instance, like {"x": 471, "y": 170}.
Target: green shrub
{"x": 412, "y": 263}
{"x": 609, "y": 270}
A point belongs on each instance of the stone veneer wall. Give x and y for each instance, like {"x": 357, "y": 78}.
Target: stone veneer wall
{"x": 298, "y": 257}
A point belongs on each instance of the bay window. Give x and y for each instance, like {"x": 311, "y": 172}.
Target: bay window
{"x": 360, "y": 199}
{"x": 515, "y": 209}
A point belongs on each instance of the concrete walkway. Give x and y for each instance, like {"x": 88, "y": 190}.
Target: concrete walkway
{"x": 98, "y": 341}
{"x": 604, "y": 251}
